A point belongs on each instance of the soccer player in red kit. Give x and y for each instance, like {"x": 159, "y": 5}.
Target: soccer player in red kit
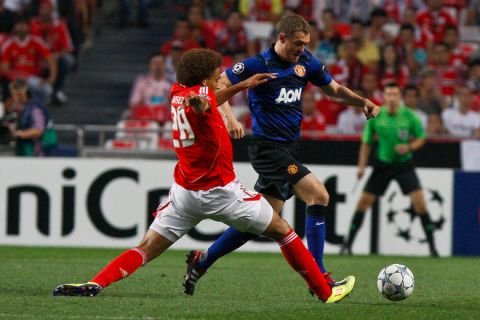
{"x": 206, "y": 187}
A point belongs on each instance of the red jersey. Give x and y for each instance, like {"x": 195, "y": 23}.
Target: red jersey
{"x": 55, "y": 34}
{"x": 201, "y": 141}
{"x": 436, "y": 22}
{"x": 24, "y": 57}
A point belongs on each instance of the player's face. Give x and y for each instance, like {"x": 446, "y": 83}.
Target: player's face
{"x": 392, "y": 96}
{"x": 293, "y": 46}
{"x": 212, "y": 82}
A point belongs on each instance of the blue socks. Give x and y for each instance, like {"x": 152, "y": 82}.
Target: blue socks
{"x": 315, "y": 231}
{"x": 230, "y": 240}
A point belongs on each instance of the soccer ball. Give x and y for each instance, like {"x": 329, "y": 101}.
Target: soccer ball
{"x": 395, "y": 282}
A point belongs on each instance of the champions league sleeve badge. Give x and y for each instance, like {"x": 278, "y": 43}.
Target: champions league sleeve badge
{"x": 238, "y": 68}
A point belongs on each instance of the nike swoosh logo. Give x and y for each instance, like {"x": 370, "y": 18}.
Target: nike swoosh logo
{"x": 319, "y": 223}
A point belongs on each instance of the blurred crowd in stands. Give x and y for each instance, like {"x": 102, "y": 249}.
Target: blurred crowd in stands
{"x": 430, "y": 47}
{"x": 40, "y": 41}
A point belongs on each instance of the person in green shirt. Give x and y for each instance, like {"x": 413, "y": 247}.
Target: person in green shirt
{"x": 399, "y": 132}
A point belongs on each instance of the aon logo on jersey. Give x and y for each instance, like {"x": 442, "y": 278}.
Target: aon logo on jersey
{"x": 288, "y": 96}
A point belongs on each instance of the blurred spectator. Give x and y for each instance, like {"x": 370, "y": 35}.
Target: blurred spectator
{"x": 474, "y": 75}
{"x": 301, "y": 7}
{"x": 183, "y": 35}
{"x": 152, "y": 90}
{"x": 352, "y": 120}
{"x": 390, "y": 68}
{"x": 22, "y": 56}
{"x": 200, "y": 32}
{"x": 462, "y": 121}
{"x": 368, "y": 52}
{"x": 221, "y": 9}
{"x": 172, "y": 60}
{"x": 329, "y": 39}
{"x": 395, "y": 9}
{"x": 125, "y": 8}
{"x": 232, "y": 39}
{"x": 55, "y": 34}
{"x": 435, "y": 124}
{"x": 345, "y": 10}
{"x": 448, "y": 74}
{"x": 412, "y": 45}
{"x": 431, "y": 97}
{"x": 261, "y": 10}
{"x": 349, "y": 70}
{"x": 313, "y": 122}
{"x": 32, "y": 120}
{"x": 376, "y": 33}
{"x": 20, "y": 7}
{"x": 7, "y": 19}
{"x": 371, "y": 88}
{"x": 411, "y": 97}
{"x": 435, "y": 18}
{"x": 460, "y": 52}
{"x": 473, "y": 13}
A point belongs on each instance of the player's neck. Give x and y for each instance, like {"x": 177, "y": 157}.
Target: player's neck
{"x": 279, "y": 51}
{"x": 392, "y": 109}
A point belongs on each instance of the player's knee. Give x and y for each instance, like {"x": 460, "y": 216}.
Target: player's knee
{"x": 365, "y": 202}
{"x": 277, "y": 228}
{"x": 321, "y": 197}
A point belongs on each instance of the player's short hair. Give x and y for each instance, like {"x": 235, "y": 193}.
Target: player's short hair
{"x": 392, "y": 84}
{"x": 197, "y": 65}
{"x": 292, "y": 23}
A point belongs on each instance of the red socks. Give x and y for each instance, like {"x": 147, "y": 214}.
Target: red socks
{"x": 302, "y": 261}
{"x": 121, "y": 267}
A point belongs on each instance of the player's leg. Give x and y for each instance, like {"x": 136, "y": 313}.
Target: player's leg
{"x": 231, "y": 239}
{"x": 310, "y": 190}
{"x": 410, "y": 184}
{"x": 198, "y": 262}
{"x": 376, "y": 185}
{"x": 420, "y": 208}
{"x": 152, "y": 245}
{"x": 255, "y": 215}
{"x": 365, "y": 202}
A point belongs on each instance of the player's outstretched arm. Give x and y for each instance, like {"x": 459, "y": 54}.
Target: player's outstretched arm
{"x": 227, "y": 90}
{"x": 347, "y": 96}
{"x": 234, "y": 128}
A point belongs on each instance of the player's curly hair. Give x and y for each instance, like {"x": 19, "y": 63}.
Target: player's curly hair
{"x": 197, "y": 65}
{"x": 290, "y": 24}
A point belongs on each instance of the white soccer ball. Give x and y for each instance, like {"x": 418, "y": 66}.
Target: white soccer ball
{"x": 395, "y": 282}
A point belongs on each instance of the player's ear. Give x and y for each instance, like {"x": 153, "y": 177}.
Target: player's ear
{"x": 204, "y": 83}
{"x": 282, "y": 37}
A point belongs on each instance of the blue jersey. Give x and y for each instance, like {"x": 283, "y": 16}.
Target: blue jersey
{"x": 276, "y": 106}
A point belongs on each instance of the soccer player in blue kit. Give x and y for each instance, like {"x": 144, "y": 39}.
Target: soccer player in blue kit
{"x": 276, "y": 118}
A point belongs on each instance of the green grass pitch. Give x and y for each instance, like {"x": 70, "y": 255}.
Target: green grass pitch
{"x": 240, "y": 286}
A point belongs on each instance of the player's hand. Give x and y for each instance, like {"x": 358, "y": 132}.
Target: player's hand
{"x": 402, "y": 149}
{"x": 195, "y": 101}
{"x": 360, "y": 172}
{"x": 370, "y": 109}
{"x": 257, "y": 79}
{"x": 235, "y": 128}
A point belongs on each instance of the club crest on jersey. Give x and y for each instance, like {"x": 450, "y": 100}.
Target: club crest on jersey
{"x": 402, "y": 133}
{"x": 292, "y": 169}
{"x": 288, "y": 96}
{"x": 299, "y": 70}
{"x": 238, "y": 68}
